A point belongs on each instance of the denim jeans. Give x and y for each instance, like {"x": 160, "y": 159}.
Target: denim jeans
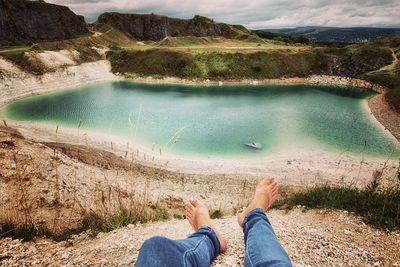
{"x": 262, "y": 246}
{"x": 202, "y": 247}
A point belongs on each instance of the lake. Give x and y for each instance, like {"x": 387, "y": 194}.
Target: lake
{"x": 217, "y": 121}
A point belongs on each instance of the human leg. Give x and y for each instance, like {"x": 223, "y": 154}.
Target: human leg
{"x": 199, "y": 249}
{"x": 262, "y": 245}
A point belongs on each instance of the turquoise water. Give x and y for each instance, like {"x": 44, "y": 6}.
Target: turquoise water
{"x": 216, "y": 121}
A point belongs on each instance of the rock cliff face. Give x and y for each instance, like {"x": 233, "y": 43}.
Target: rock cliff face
{"x": 29, "y": 21}
{"x": 156, "y": 27}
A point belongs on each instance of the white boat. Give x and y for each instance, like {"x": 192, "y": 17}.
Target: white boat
{"x": 254, "y": 145}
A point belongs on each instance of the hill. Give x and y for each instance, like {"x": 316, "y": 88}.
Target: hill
{"x": 30, "y": 21}
{"x": 156, "y": 27}
{"x": 338, "y": 35}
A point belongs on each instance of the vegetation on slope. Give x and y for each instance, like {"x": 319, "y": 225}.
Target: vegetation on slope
{"x": 354, "y": 60}
{"x": 216, "y": 65}
{"x": 389, "y": 77}
{"x": 391, "y": 80}
{"x": 17, "y": 55}
{"x": 377, "y": 205}
{"x": 282, "y": 37}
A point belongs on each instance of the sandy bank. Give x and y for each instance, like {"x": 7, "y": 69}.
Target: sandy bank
{"x": 389, "y": 118}
{"x": 176, "y": 80}
{"x": 313, "y": 79}
{"x": 291, "y": 167}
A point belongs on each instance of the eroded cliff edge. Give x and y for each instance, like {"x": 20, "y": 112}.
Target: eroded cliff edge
{"x": 30, "y": 21}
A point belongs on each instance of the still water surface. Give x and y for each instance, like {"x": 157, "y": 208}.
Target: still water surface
{"x": 215, "y": 120}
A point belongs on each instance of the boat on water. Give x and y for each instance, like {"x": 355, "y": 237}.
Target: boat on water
{"x": 254, "y": 145}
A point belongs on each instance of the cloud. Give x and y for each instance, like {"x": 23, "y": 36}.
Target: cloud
{"x": 255, "y": 13}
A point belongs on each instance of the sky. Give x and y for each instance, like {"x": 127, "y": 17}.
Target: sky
{"x": 255, "y": 14}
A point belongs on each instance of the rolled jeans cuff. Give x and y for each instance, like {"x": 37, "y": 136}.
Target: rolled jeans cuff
{"x": 257, "y": 212}
{"x": 207, "y": 231}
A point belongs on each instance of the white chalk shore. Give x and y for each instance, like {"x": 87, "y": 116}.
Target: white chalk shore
{"x": 310, "y": 165}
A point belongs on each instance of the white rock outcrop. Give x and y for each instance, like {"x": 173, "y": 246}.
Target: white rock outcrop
{"x": 15, "y": 83}
{"x": 344, "y": 81}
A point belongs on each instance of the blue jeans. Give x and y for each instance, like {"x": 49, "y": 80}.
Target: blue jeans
{"x": 202, "y": 247}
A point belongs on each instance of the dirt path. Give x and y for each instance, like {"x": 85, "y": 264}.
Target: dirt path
{"x": 390, "y": 66}
{"x": 15, "y": 49}
{"x": 314, "y": 238}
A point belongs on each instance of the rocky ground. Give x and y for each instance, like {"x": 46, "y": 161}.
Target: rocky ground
{"x": 313, "y": 238}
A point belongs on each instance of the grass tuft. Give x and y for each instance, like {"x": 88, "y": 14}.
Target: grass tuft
{"x": 216, "y": 214}
{"x": 25, "y": 232}
{"x": 97, "y": 223}
{"x": 378, "y": 206}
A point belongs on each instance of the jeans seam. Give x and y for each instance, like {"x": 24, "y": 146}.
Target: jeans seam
{"x": 193, "y": 249}
{"x": 248, "y": 256}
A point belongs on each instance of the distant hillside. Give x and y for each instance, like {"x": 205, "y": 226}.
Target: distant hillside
{"x": 338, "y": 35}
{"x": 29, "y": 21}
{"x": 156, "y": 27}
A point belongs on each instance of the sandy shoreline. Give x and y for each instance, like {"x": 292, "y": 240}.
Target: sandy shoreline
{"x": 312, "y": 80}
{"x": 388, "y": 118}
{"x": 297, "y": 168}
{"x": 176, "y": 80}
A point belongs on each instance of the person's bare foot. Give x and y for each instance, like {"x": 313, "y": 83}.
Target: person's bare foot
{"x": 265, "y": 194}
{"x": 197, "y": 214}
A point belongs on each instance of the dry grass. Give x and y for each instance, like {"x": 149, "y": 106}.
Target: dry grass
{"x": 29, "y": 214}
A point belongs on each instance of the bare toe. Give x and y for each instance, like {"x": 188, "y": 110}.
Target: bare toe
{"x": 197, "y": 215}
{"x": 265, "y": 194}
{"x": 194, "y": 201}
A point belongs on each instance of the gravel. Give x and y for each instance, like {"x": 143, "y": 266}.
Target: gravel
{"x": 312, "y": 238}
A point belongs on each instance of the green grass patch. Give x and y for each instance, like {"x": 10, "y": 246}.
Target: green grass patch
{"x": 9, "y": 50}
{"x": 216, "y": 214}
{"x": 131, "y": 75}
{"x": 377, "y": 206}
{"x": 217, "y": 65}
{"x": 185, "y": 41}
